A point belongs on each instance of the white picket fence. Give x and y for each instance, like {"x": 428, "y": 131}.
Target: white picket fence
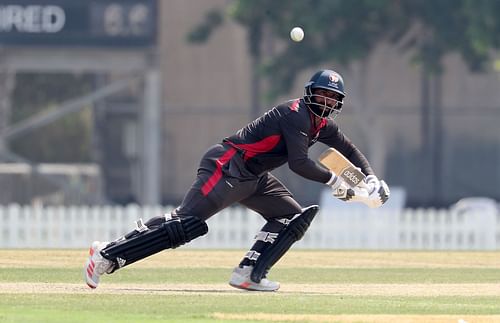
{"x": 358, "y": 228}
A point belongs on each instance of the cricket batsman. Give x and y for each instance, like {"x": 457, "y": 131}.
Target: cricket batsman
{"x": 238, "y": 170}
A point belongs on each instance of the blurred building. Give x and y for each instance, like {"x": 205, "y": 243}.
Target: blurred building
{"x": 434, "y": 140}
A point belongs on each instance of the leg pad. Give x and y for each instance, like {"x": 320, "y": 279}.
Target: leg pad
{"x": 293, "y": 232}
{"x": 171, "y": 234}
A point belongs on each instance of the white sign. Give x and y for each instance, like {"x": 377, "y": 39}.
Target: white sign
{"x": 32, "y": 19}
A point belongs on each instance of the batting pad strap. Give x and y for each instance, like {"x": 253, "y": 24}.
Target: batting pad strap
{"x": 292, "y": 233}
{"x": 140, "y": 226}
{"x": 266, "y": 236}
{"x": 252, "y": 255}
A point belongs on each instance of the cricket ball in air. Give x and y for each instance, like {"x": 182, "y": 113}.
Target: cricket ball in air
{"x": 297, "y": 34}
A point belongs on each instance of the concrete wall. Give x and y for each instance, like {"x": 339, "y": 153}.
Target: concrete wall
{"x": 206, "y": 89}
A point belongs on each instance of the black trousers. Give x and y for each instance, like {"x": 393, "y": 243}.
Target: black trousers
{"x": 222, "y": 180}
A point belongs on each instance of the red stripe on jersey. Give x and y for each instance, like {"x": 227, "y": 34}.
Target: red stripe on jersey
{"x": 315, "y": 130}
{"x": 216, "y": 176}
{"x": 295, "y": 105}
{"x": 323, "y": 123}
{"x": 259, "y": 147}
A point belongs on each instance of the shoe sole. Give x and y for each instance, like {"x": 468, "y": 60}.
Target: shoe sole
{"x": 93, "y": 287}
{"x": 247, "y": 286}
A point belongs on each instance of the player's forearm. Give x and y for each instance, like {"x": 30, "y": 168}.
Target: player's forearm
{"x": 310, "y": 170}
{"x": 336, "y": 139}
{"x": 355, "y": 156}
{"x": 358, "y": 159}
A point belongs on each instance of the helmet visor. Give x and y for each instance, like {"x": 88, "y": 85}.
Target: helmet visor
{"x": 324, "y": 103}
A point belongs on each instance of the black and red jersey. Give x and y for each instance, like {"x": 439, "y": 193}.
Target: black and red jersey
{"x": 284, "y": 134}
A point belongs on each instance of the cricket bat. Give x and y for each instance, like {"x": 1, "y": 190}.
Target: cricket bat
{"x": 342, "y": 167}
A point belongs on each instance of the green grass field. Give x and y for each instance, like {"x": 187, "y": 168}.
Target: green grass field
{"x": 317, "y": 286}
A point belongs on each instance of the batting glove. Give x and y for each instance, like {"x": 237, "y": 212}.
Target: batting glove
{"x": 374, "y": 194}
{"x": 343, "y": 192}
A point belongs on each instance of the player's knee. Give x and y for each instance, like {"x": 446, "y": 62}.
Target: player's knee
{"x": 297, "y": 225}
{"x": 181, "y": 230}
{"x": 155, "y": 221}
{"x": 302, "y": 222}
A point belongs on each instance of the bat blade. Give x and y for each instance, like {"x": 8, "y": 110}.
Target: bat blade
{"x": 340, "y": 165}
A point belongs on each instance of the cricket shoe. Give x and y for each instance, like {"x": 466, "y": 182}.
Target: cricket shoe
{"x": 96, "y": 264}
{"x": 240, "y": 278}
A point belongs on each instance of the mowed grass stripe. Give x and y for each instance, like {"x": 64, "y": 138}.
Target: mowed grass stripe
{"x": 348, "y": 289}
{"x": 192, "y": 306}
{"x": 285, "y": 275}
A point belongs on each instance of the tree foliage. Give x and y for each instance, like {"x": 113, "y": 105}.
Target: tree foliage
{"x": 471, "y": 28}
{"x": 344, "y": 30}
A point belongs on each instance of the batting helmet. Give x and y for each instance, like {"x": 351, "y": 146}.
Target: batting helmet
{"x": 320, "y": 105}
